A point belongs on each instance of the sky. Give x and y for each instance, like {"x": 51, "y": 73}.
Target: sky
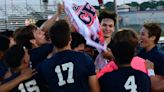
{"x": 119, "y": 2}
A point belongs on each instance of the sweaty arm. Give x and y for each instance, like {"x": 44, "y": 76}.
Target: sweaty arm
{"x": 25, "y": 74}
{"x": 49, "y": 23}
{"x": 10, "y": 85}
{"x": 93, "y": 83}
{"x": 157, "y": 83}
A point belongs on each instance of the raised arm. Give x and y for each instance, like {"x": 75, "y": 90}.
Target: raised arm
{"x": 48, "y": 24}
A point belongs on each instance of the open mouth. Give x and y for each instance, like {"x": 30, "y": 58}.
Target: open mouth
{"x": 141, "y": 41}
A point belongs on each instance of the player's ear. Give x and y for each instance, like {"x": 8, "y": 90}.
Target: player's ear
{"x": 153, "y": 38}
{"x": 33, "y": 42}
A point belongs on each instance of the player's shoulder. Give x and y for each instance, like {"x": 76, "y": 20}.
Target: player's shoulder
{"x": 138, "y": 72}
{"x": 126, "y": 71}
{"x": 81, "y": 55}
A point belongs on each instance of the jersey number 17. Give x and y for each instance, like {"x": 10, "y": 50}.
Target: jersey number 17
{"x": 65, "y": 67}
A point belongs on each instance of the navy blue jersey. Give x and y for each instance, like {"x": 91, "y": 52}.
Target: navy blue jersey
{"x": 125, "y": 79}
{"x": 156, "y": 56}
{"x": 29, "y": 85}
{"x": 67, "y": 71}
{"x": 39, "y": 54}
{"x": 3, "y": 69}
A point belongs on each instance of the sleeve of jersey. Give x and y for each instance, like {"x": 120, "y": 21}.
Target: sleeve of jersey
{"x": 90, "y": 65}
{"x": 139, "y": 64}
{"x": 161, "y": 66}
{"x": 108, "y": 68}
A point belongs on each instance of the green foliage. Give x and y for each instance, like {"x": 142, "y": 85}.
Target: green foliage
{"x": 134, "y": 4}
{"x": 110, "y": 6}
{"x": 143, "y": 6}
{"x": 161, "y": 2}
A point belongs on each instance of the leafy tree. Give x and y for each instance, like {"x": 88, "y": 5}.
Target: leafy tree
{"x": 145, "y": 5}
{"x": 134, "y": 4}
{"x": 161, "y": 2}
{"x": 110, "y": 6}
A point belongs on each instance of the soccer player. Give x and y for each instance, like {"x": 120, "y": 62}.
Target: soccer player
{"x": 125, "y": 79}
{"x": 17, "y": 59}
{"x": 35, "y": 41}
{"x": 149, "y": 36}
{"x": 107, "y": 22}
{"x": 67, "y": 70}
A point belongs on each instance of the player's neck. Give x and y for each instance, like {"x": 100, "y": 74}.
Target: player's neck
{"x": 68, "y": 47}
{"x": 148, "y": 48}
{"x": 124, "y": 65}
{"x": 107, "y": 39}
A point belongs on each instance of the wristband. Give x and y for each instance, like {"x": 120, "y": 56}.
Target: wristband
{"x": 151, "y": 72}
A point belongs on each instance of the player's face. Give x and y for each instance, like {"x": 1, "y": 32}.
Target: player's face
{"x": 39, "y": 37}
{"x": 107, "y": 25}
{"x": 145, "y": 40}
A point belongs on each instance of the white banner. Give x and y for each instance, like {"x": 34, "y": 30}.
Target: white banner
{"x": 86, "y": 22}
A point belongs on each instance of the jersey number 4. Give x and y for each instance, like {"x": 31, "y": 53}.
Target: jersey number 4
{"x": 65, "y": 67}
{"x": 130, "y": 84}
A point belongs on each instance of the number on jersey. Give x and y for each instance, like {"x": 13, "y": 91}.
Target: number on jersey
{"x": 31, "y": 86}
{"x": 65, "y": 67}
{"x": 130, "y": 84}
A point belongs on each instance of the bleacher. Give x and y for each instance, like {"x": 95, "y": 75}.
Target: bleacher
{"x": 14, "y": 16}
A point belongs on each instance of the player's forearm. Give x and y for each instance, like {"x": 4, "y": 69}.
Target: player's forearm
{"x": 6, "y": 87}
{"x": 48, "y": 24}
{"x": 157, "y": 83}
{"x": 94, "y": 85}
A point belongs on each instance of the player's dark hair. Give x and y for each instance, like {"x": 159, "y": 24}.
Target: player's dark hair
{"x": 14, "y": 56}
{"x": 124, "y": 45}
{"x": 24, "y": 35}
{"x": 7, "y": 33}
{"x": 77, "y": 39}
{"x": 105, "y": 14}
{"x": 60, "y": 34}
{"x": 154, "y": 29}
